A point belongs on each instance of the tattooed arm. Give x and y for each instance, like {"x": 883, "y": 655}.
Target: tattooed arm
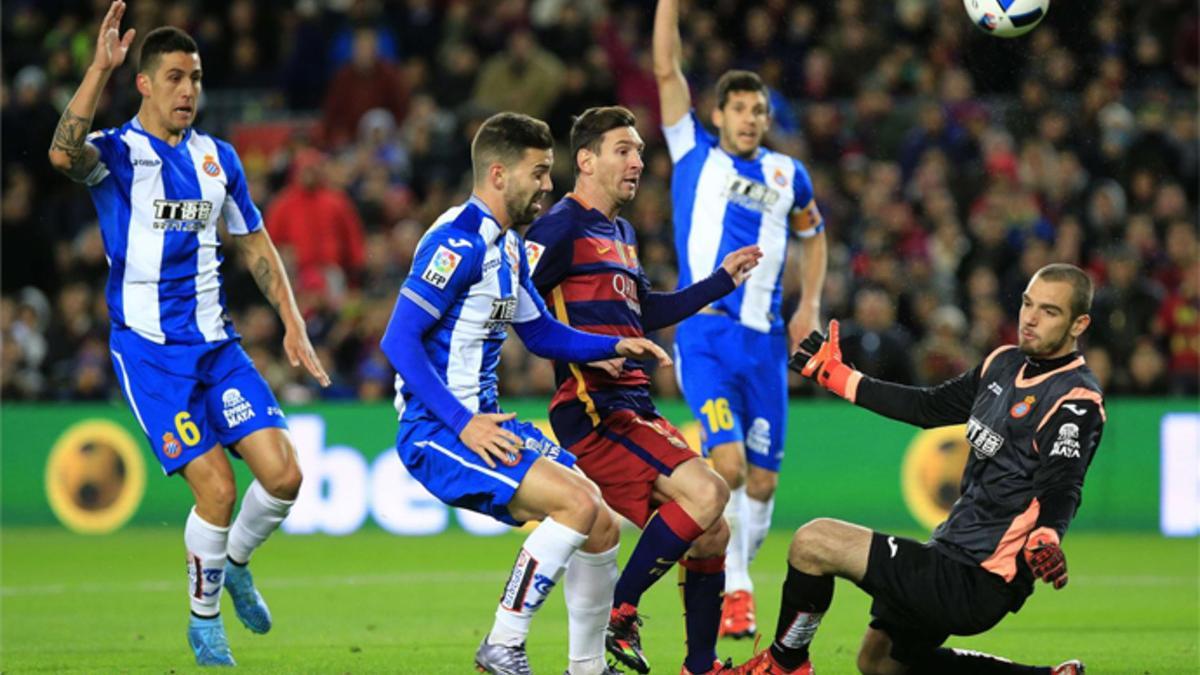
{"x": 271, "y": 277}
{"x": 70, "y": 152}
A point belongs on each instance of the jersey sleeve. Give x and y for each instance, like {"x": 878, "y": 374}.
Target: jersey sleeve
{"x": 806, "y": 217}
{"x": 529, "y": 300}
{"x": 113, "y": 154}
{"x": 239, "y": 210}
{"x": 444, "y": 266}
{"x": 548, "y": 250}
{"x": 1066, "y": 442}
{"x": 686, "y": 135}
{"x": 926, "y": 407}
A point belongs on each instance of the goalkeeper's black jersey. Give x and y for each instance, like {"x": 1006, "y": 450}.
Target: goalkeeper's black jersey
{"x": 1033, "y": 427}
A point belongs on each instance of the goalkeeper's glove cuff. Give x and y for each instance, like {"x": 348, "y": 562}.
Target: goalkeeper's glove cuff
{"x": 840, "y": 379}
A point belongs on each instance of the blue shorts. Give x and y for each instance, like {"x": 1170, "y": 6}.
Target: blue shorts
{"x": 735, "y": 381}
{"x": 454, "y": 474}
{"x": 189, "y": 398}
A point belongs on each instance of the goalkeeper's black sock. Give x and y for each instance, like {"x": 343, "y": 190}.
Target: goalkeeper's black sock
{"x": 944, "y": 661}
{"x": 805, "y": 599}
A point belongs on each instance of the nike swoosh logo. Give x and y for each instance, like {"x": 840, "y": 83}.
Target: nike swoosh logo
{"x": 603, "y": 249}
{"x": 891, "y": 541}
{"x": 1075, "y": 409}
{"x": 459, "y": 243}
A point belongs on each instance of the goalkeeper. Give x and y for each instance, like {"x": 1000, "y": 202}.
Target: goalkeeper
{"x": 1034, "y": 415}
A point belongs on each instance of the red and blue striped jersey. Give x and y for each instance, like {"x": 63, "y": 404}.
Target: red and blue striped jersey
{"x": 586, "y": 267}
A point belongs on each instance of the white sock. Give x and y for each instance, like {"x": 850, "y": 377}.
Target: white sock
{"x": 737, "y": 555}
{"x": 759, "y": 523}
{"x": 261, "y": 515}
{"x": 540, "y": 564}
{"x": 205, "y": 562}
{"x": 588, "y": 590}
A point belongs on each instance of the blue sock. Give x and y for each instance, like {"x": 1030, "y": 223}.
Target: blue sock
{"x": 665, "y": 539}
{"x": 703, "y": 584}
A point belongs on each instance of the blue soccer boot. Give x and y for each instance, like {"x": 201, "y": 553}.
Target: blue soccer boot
{"x": 247, "y": 601}
{"x": 207, "y": 640}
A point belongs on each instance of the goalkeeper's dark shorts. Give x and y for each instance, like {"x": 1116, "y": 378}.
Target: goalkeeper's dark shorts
{"x": 921, "y": 596}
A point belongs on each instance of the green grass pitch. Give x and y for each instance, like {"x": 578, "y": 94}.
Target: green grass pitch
{"x": 376, "y": 603}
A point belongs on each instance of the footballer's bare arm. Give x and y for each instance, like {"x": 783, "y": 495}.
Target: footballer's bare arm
{"x": 674, "y": 98}
{"x": 70, "y": 152}
{"x": 269, "y": 273}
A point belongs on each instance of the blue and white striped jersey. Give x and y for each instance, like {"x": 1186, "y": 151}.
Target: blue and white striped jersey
{"x": 474, "y": 280}
{"x": 158, "y": 207}
{"x": 722, "y": 202}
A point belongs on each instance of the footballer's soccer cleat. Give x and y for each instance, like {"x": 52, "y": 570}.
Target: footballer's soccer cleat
{"x": 717, "y": 667}
{"x": 1072, "y": 667}
{"x": 247, "y": 601}
{"x": 764, "y": 663}
{"x": 502, "y": 659}
{"x": 623, "y": 640}
{"x": 207, "y": 640}
{"x": 737, "y": 616}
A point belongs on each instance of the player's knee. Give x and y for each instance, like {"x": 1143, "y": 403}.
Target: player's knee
{"x": 217, "y": 498}
{"x": 869, "y": 663}
{"x": 583, "y": 506}
{"x": 730, "y": 464}
{"x": 710, "y": 494}
{"x": 811, "y": 546}
{"x": 714, "y": 541}
{"x": 605, "y": 533}
{"x": 761, "y": 484}
{"x": 285, "y": 484}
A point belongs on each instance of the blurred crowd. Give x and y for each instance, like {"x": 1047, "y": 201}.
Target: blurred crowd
{"x": 949, "y": 166}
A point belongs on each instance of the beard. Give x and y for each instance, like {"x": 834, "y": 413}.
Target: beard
{"x": 1029, "y": 350}
{"x": 522, "y": 210}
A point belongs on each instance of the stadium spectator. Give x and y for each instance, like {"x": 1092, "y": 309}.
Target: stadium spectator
{"x": 316, "y": 226}
{"x": 366, "y": 81}
{"x": 523, "y": 78}
{"x": 1049, "y": 105}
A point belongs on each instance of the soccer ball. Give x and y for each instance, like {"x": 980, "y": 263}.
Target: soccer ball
{"x": 1006, "y": 18}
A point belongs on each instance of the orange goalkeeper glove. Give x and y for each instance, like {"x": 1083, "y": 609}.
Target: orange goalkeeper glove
{"x": 820, "y": 358}
{"x": 1046, "y": 558}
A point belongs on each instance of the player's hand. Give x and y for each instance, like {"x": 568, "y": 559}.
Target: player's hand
{"x": 611, "y": 367}
{"x": 820, "y": 358}
{"x": 486, "y": 438}
{"x": 739, "y": 263}
{"x": 300, "y": 351}
{"x": 1046, "y": 558}
{"x": 802, "y": 323}
{"x": 641, "y": 348}
{"x": 111, "y": 47}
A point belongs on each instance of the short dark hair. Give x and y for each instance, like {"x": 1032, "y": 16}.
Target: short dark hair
{"x": 504, "y": 137}
{"x": 1081, "y": 285}
{"x": 163, "y": 40}
{"x": 589, "y": 129}
{"x": 740, "y": 80}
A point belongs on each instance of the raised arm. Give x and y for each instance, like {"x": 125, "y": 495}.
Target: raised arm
{"x": 271, "y": 277}
{"x": 813, "y": 262}
{"x": 70, "y": 152}
{"x": 674, "y": 99}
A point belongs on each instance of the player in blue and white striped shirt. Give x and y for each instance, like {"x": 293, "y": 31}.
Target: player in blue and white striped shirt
{"x": 728, "y": 191}
{"x": 468, "y": 285}
{"x": 160, "y": 188}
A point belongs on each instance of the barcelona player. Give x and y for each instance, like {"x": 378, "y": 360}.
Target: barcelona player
{"x": 585, "y": 263}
